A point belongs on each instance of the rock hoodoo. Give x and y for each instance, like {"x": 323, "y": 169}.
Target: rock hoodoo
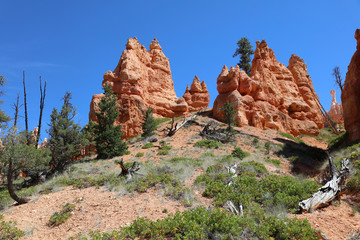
{"x": 143, "y": 78}
{"x": 350, "y": 96}
{"x": 275, "y": 96}
{"x": 335, "y": 112}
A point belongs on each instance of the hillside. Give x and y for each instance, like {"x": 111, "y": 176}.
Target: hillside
{"x": 186, "y": 177}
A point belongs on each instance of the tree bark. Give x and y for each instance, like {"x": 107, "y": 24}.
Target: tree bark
{"x": 42, "y": 101}
{"x": 11, "y": 186}
{"x": 26, "y": 115}
{"x": 333, "y": 188}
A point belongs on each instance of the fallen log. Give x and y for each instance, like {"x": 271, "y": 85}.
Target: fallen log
{"x": 333, "y": 188}
{"x": 212, "y": 132}
{"x": 173, "y": 129}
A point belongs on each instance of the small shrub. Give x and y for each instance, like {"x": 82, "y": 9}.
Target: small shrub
{"x": 127, "y": 152}
{"x": 239, "y": 153}
{"x": 258, "y": 168}
{"x": 275, "y": 162}
{"x": 293, "y": 158}
{"x": 60, "y": 217}
{"x": 289, "y": 136}
{"x": 208, "y": 144}
{"x": 163, "y": 152}
{"x": 255, "y": 142}
{"x": 148, "y": 145}
{"x": 139, "y": 154}
{"x": 207, "y": 154}
{"x": 267, "y": 146}
{"x": 8, "y": 230}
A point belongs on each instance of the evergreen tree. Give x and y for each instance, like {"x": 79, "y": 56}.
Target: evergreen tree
{"x": 65, "y": 136}
{"x": 149, "y": 124}
{"x": 107, "y": 136}
{"x": 3, "y": 117}
{"x": 17, "y": 156}
{"x": 244, "y": 50}
{"x": 229, "y": 114}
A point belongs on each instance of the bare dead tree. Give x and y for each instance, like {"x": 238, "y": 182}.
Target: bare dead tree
{"x": 26, "y": 115}
{"x": 338, "y": 79}
{"x": 42, "y": 101}
{"x": 16, "y": 108}
{"x": 128, "y": 172}
{"x": 332, "y": 189}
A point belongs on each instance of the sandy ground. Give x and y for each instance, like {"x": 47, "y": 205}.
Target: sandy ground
{"x": 337, "y": 222}
{"x": 98, "y": 209}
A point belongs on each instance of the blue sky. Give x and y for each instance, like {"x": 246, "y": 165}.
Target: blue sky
{"x": 71, "y": 44}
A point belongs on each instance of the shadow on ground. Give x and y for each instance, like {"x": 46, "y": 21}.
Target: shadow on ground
{"x": 304, "y": 159}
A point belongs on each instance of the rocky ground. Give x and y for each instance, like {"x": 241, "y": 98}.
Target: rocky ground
{"x": 104, "y": 210}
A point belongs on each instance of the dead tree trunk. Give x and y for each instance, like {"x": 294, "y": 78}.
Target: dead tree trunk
{"x": 128, "y": 172}
{"x": 173, "y": 129}
{"x": 333, "y": 188}
{"x": 212, "y": 132}
{"x": 16, "y": 108}
{"x": 26, "y": 115}
{"x": 42, "y": 101}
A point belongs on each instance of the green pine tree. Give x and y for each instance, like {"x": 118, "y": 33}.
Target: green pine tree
{"x": 3, "y": 117}
{"x": 229, "y": 114}
{"x": 107, "y": 136}
{"x": 65, "y": 136}
{"x": 245, "y": 51}
{"x": 149, "y": 125}
{"x": 17, "y": 156}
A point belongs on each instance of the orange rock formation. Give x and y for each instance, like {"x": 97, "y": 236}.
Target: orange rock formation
{"x": 275, "y": 96}
{"x": 335, "y": 112}
{"x": 141, "y": 79}
{"x": 350, "y": 96}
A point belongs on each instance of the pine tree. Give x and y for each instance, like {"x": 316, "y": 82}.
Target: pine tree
{"x": 149, "y": 124}
{"x": 65, "y": 136}
{"x": 229, "y": 114}
{"x": 245, "y": 51}
{"x": 17, "y": 156}
{"x": 3, "y": 117}
{"x": 107, "y": 136}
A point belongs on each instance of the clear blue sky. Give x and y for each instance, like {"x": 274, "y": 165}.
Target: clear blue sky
{"x": 71, "y": 44}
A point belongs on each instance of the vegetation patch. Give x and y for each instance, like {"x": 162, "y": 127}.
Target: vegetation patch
{"x": 275, "y": 162}
{"x": 8, "y": 230}
{"x": 139, "y": 154}
{"x": 202, "y": 223}
{"x": 289, "y": 136}
{"x": 207, "y": 143}
{"x": 148, "y": 145}
{"x": 239, "y": 153}
{"x": 60, "y": 217}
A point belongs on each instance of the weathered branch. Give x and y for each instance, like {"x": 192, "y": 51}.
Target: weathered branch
{"x": 173, "y": 129}
{"x": 211, "y": 131}
{"x": 42, "y": 101}
{"x": 128, "y": 172}
{"x": 333, "y": 188}
{"x": 26, "y": 115}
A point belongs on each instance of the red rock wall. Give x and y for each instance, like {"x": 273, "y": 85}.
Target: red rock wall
{"x": 275, "y": 96}
{"x": 350, "y": 96}
{"x": 143, "y": 78}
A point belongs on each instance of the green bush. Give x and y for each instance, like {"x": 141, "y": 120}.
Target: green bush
{"x": 139, "y": 154}
{"x": 289, "y": 136}
{"x": 60, "y": 217}
{"x": 9, "y": 231}
{"x": 188, "y": 161}
{"x": 258, "y": 168}
{"x": 353, "y": 184}
{"x": 148, "y": 145}
{"x": 208, "y": 144}
{"x": 201, "y": 223}
{"x": 275, "y": 162}
{"x": 239, "y": 153}
{"x": 246, "y": 189}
